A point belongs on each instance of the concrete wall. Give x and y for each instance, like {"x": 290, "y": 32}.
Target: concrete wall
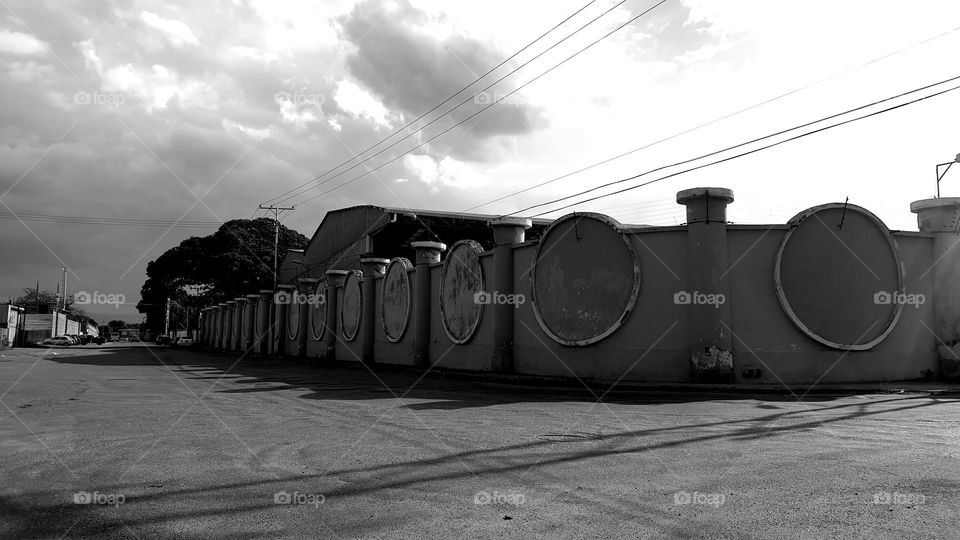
{"x": 643, "y": 293}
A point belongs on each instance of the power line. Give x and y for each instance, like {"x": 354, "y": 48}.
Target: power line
{"x": 437, "y": 106}
{"x": 730, "y": 158}
{"x": 421, "y": 128}
{"x": 127, "y": 222}
{"x": 714, "y": 121}
{"x": 498, "y": 100}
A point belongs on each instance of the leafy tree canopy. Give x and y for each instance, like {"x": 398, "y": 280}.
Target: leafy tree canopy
{"x": 235, "y": 260}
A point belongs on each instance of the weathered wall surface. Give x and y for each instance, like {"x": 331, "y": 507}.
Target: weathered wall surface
{"x": 831, "y": 296}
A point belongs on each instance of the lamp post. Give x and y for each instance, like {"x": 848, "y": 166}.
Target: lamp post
{"x": 940, "y": 175}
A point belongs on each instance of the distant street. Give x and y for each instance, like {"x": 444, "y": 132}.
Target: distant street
{"x": 136, "y": 441}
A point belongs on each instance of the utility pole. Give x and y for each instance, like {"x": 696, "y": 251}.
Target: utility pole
{"x": 276, "y": 234}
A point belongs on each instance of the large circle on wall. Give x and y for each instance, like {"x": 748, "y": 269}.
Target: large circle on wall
{"x": 585, "y": 278}
{"x": 839, "y": 276}
{"x": 460, "y": 287}
{"x": 318, "y": 312}
{"x": 395, "y": 299}
{"x": 293, "y": 315}
{"x": 351, "y": 306}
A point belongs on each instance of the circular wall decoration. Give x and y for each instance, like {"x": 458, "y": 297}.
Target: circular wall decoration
{"x": 351, "y": 305}
{"x": 395, "y": 299}
{"x": 839, "y": 277}
{"x": 318, "y": 312}
{"x": 585, "y": 280}
{"x": 460, "y": 287}
{"x": 293, "y": 315}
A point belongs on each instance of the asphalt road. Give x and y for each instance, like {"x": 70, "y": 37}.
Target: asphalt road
{"x": 133, "y": 441}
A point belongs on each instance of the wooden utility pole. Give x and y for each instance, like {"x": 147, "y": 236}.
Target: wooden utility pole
{"x": 276, "y": 234}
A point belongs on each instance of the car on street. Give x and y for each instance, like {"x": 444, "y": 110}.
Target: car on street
{"x": 183, "y": 342}
{"x": 164, "y": 340}
{"x": 58, "y": 340}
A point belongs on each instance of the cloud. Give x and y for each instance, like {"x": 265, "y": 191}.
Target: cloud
{"x": 360, "y": 104}
{"x": 446, "y": 172}
{"x": 400, "y": 56}
{"x": 21, "y": 44}
{"x": 176, "y": 32}
{"x": 89, "y": 53}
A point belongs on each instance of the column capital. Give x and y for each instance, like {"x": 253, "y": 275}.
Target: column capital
{"x": 705, "y": 204}
{"x": 428, "y": 252}
{"x": 937, "y": 215}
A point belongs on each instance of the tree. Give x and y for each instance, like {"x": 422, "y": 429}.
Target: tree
{"x": 45, "y": 301}
{"x": 233, "y": 261}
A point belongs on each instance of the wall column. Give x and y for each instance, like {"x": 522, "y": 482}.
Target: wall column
{"x": 306, "y": 287}
{"x": 278, "y": 338}
{"x": 264, "y": 320}
{"x": 507, "y": 231}
{"x": 334, "y": 280}
{"x": 711, "y": 352}
{"x": 941, "y": 217}
{"x": 373, "y": 267}
{"x": 427, "y": 253}
{"x": 231, "y": 338}
{"x": 249, "y": 321}
{"x": 239, "y": 303}
{"x": 222, "y": 326}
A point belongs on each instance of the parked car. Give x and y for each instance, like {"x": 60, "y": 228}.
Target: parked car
{"x": 164, "y": 340}
{"x": 183, "y": 342}
{"x": 99, "y": 340}
{"x": 74, "y": 338}
{"x": 58, "y": 340}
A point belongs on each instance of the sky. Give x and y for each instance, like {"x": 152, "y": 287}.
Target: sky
{"x": 197, "y": 112}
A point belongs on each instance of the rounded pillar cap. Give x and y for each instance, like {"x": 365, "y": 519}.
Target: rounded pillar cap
{"x": 373, "y": 260}
{"x": 240, "y": 299}
{"x": 307, "y": 280}
{"x": 924, "y": 204}
{"x": 512, "y": 221}
{"x": 337, "y": 272}
{"x": 425, "y": 244}
{"x": 266, "y": 291}
{"x": 695, "y": 193}
{"x": 253, "y": 296}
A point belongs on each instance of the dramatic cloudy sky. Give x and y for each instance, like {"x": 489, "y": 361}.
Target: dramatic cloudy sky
{"x": 198, "y": 111}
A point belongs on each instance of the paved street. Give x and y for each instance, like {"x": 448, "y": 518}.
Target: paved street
{"x": 161, "y": 442}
